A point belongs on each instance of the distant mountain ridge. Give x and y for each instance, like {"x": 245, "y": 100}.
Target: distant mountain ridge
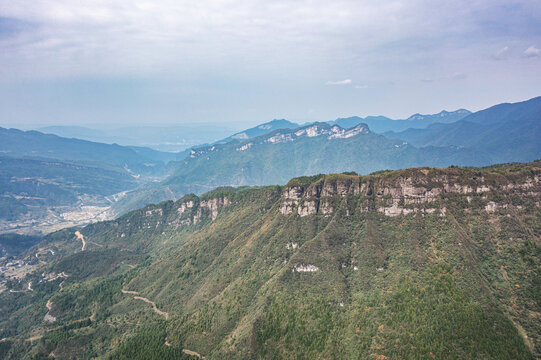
{"x": 17, "y": 143}
{"x": 171, "y": 138}
{"x": 502, "y": 133}
{"x": 316, "y": 148}
{"x": 377, "y": 124}
{"x": 381, "y": 124}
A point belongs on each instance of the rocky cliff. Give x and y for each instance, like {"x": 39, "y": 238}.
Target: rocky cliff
{"x": 421, "y": 190}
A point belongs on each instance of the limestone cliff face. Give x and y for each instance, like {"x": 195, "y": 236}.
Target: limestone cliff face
{"x": 185, "y": 206}
{"x": 211, "y": 206}
{"x": 413, "y": 191}
{"x": 189, "y": 210}
{"x": 316, "y": 197}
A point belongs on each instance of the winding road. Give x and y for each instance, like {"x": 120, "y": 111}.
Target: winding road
{"x": 156, "y": 310}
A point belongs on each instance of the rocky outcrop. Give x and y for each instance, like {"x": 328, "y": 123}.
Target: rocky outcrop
{"x": 290, "y": 198}
{"x": 244, "y": 147}
{"x": 307, "y": 207}
{"x": 331, "y": 132}
{"x": 211, "y": 206}
{"x": 157, "y": 211}
{"x": 185, "y": 206}
{"x": 192, "y": 210}
{"x": 317, "y": 197}
{"x": 305, "y": 268}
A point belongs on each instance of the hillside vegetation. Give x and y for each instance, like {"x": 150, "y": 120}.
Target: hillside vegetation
{"x": 417, "y": 263}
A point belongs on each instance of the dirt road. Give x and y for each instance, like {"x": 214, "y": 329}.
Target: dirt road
{"x": 192, "y": 353}
{"x": 156, "y": 310}
{"x": 129, "y": 292}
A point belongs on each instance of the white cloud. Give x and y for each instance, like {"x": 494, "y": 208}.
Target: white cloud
{"x": 501, "y": 54}
{"x": 141, "y": 36}
{"x": 339, "y": 82}
{"x": 532, "y": 51}
{"x": 108, "y": 36}
{"x": 361, "y": 86}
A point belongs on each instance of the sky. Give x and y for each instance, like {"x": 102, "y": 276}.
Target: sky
{"x": 162, "y": 62}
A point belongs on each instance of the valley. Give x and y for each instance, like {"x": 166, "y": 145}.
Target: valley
{"x": 58, "y": 218}
{"x": 49, "y": 183}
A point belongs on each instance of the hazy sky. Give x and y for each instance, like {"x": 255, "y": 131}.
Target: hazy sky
{"x": 245, "y": 62}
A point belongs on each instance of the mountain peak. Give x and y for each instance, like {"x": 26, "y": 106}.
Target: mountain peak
{"x": 260, "y": 130}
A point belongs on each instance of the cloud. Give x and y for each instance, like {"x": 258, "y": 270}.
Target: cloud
{"x": 361, "y": 86}
{"x": 340, "y": 82}
{"x": 139, "y": 37}
{"x": 532, "y": 51}
{"x": 501, "y": 54}
{"x": 227, "y": 54}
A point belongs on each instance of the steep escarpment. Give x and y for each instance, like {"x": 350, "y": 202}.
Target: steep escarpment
{"x": 416, "y": 263}
{"x": 422, "y": 190}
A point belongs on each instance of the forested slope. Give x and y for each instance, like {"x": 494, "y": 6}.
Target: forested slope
{"x": 417, "y": 263}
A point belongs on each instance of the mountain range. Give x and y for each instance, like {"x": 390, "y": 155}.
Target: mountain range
{"x": 283, "y": 241}
{"x": 287, "y": 151}
{"x": 270, "y": 153}
{"x": 502, "y": 133}
{"x": 417, "y": 263}
{"x": 35, "y": 144}
{"x": 381, "y": 124}
{"x": 280, "y": 155}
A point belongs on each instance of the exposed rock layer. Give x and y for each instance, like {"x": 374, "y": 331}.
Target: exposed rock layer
{"x": 419, "y": 190}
